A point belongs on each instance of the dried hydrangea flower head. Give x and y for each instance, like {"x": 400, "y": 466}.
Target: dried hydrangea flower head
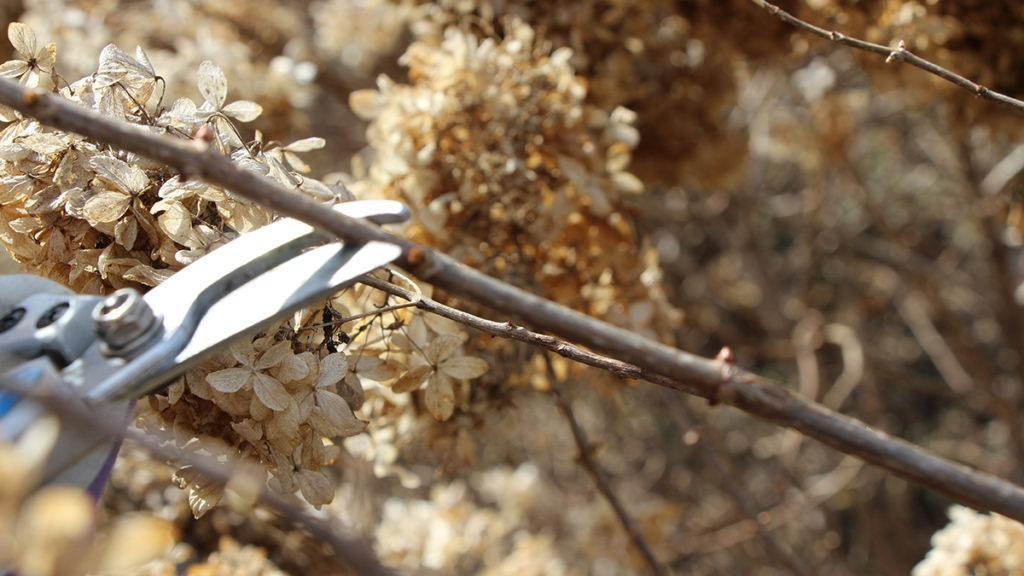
{"x": 507, "y": 167}
{"x": 98, "y": 219}
{"x": 34, "y": 65}
{"x": 663, "y": 59}
{"x": 53, "y": 530}
{"x": 974, "y": 543}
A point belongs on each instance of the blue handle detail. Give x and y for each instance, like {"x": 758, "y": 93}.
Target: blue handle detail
{"x": 7, "y": 402}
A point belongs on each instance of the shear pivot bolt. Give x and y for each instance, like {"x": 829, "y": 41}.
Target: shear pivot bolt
{"x": 123, "y": 319}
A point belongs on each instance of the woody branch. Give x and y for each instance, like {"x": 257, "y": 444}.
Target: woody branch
{"x": 718, "y": 380}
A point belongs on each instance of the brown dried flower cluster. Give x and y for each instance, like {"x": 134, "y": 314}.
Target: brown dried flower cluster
{"x": 507, "y": 167}
{"x": 677, "y": 65}
{"x": 975, "y": 543}
{"x": 54, "y": 530}
{"x": 97, "y": 219}
{"x": 811, "y": 207}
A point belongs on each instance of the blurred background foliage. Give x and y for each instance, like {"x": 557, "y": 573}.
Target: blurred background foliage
{"x": 848, "y": 226}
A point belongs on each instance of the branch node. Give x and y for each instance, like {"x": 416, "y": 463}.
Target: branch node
{"x": 727, "y": 359}
{"x": 898, "y": 53}
{"x": 32, "y": 97}
{"x": 421, "y": 262}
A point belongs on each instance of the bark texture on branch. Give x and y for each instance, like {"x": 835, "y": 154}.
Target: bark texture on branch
{"x": 899, "y": 53}
{"x": 715, "y": 379}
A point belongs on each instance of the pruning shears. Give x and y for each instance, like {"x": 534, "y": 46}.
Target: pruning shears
{"x": 106, "y": 352}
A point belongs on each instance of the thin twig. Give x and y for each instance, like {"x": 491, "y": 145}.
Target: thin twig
{"x": 1008, "y": 312}
{"x": 891, "y": 54}
{"x": 630, "y": 371}
{"x": 913, "y": 310}
{"x": 629, "y": 354}
{"x": 360, "y": 316}
{"x": 600, "y": 478}
{"x": 350, "y": 552}
{"x": 824, "y": 487}
{"x": 711, "y": 447}
{"x": 779, "y": 553}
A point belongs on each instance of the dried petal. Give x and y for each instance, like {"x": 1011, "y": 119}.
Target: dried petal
{"x": 229, "y": 379}
{"x": 439, "y": 398}
{"x": 292, "y": 368}
{"x": 463, "y": 367}
{"x": 316, "y": 488}
{"x": 332, "y": 369}
{"x": 13, "y": 68}
{"x": 442, "y": 347}
{"x": 133, "y": 540}
{"x": 249, "y": 429}
{"x": 243, "y": 110}
{"x": 332, "y": 416}
{"x": 274, "y": 355}
{"x": 127, "y": 178}
{"x": 271, "y": 392}
{"x": 306, "y": 144}
{"x": 107, "y": 206}
{"x": 22, "y": 38}
{"x": 176, "y": 221}
{"x": 412, "y": 379}
{"x": 213, "y": 85}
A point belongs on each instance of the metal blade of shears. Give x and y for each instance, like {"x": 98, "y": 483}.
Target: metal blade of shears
{"x": 182, "y": 301}
{"x": 297, "y": 283}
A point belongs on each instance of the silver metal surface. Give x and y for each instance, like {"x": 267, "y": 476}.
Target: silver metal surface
{"x": 79, "y": 453}
{"x": 182, "y": 301}
{"x": 124, "y": 320}
{"x": 295, "y": 284}
{"x": 58, "y": 325}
